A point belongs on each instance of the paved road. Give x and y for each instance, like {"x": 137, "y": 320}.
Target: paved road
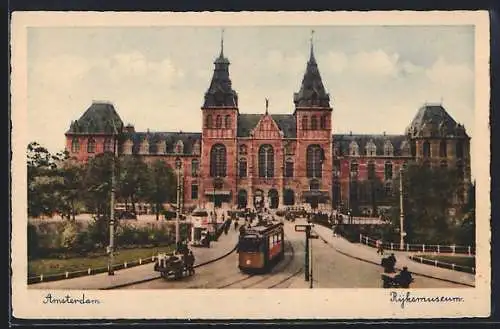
{"x": 331, "y": 269}
{"x": 225, "y": 274}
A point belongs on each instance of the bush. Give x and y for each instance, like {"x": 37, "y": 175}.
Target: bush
{"x": 33, "y": 242}
{"x": 69, "y": 235}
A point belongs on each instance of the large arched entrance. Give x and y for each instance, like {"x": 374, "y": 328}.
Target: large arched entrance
{"x": 273, "y": 199}
{"x": 289, "y": 197}
{"x": 258, "y": 199}
{"x": 242, "y": 199}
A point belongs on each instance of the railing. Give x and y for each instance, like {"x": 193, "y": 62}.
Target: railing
{"x": 90, "y": 271}
{"x": 421, "y": 248}
{"x": 437, "y": 263}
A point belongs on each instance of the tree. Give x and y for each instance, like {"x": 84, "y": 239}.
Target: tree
{"x": 428, "y": 196}
{"x": 42, "y": 179}
{"x": 133, "y": 179}
{"x": 161, "y": 185}
{"x": 97, "y": 185}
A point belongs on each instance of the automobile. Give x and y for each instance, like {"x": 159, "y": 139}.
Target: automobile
{"x": 125, "y": 214}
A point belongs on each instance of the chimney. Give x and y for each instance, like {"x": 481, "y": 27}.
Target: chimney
{"x": 129, "y": 128}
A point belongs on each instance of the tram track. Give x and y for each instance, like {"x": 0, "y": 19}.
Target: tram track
{"x": 276, "y": 270}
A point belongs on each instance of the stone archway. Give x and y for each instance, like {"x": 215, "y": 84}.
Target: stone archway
{"x": 289, "y": 197}
{"x": 258, "y": 199}
{"x": 242, "y": 199}
{"x": 273, "y": 198}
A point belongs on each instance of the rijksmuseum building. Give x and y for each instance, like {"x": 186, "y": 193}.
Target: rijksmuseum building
{"x": 275, "y": 160}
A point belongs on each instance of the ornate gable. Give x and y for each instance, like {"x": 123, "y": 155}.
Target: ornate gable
{"x": 267, "y": 128}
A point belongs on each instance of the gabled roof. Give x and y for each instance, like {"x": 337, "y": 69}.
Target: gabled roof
{"x": 99, "y": 118}
{"x": 342, "y": 141}
{"x": 170, "y": 138}
{"x": 286, "y": 123}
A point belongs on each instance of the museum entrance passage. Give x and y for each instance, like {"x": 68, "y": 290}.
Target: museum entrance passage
{"x": 289, "y": 197}
{"x": 273, "y": 199}
{"x": 242, "y": 199}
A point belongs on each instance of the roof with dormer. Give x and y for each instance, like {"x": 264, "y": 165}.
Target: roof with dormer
{"x": 100, "y": 118}
{"x": 170, "y": 138}
{"x": 343, "y": 141}
{"x": 433, "y": 120}
{"x": 286, "y": 123}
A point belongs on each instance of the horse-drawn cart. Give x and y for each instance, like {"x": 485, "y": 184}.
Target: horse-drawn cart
{"x": 173, "y": 265}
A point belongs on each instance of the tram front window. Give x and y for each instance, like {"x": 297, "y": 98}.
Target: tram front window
{"x": 249, "y": 245}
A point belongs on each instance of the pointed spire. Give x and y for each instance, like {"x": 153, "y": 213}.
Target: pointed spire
{"x": 220, "y": 92}
{"x": 312, "y": 93}
{"x": 222, "y": 44}
{"x": 267, "y": 105}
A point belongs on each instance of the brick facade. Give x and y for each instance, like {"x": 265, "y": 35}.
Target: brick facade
{"x": 289, "y": 136}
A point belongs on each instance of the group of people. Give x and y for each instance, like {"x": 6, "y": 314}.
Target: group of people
{"x": 403, "y": 278}
{"x": 188, "y": 256}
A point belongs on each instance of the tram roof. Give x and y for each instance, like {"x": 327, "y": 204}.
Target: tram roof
{"x": 262, "y": 229}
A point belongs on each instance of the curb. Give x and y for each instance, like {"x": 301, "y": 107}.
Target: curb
{"x": 398, "y": 268}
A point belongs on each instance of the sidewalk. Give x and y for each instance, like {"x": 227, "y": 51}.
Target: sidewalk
{"x": 142, "y": 272}
{"x": 368, "y": 254}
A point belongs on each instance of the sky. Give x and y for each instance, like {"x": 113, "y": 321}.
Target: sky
{"x": 377, "y": 76}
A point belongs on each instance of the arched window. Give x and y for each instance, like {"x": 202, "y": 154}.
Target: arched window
{"x": 371, "y": 170}
{"x": 218, "y": 122}
{"x": 194, "y": 191}
{"x": 227, "y": 121}
{"x": 195, "y": 167}
{"x": 91, "y": 145}
{"x": 426, "y": 149}
{"x": 314, "y": 122}
{"x": 314, "y": 185}
{"x": 289, "y": 167}
{"x": 208, "y": 122}
{"x": 266, "y": 161}
{"x": 304, "y": 123}
{"x": 314, "y": 161}
{"x": 218, "y": 161}
{"x": 388, "y": 170}
{"x": 459, "y": 149}
{"x": 442, "y": 149}
{"x": 75, "y": 145}
{"x": 108, "y": 145}
{"x": 243, "y": 149}
{"x": 243, "y": 167}
{"x": 323, "y": 122}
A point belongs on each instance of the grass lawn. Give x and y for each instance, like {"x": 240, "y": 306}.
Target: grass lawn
{"x": 469, "y": 261}
{"x": 49, "y": 266}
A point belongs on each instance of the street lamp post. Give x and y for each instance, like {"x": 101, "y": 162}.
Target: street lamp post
{"x": 402, "y": 233}
{"x": 178, "y": 172}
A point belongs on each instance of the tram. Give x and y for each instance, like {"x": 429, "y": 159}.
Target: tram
{"x": 260, "y": 248}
